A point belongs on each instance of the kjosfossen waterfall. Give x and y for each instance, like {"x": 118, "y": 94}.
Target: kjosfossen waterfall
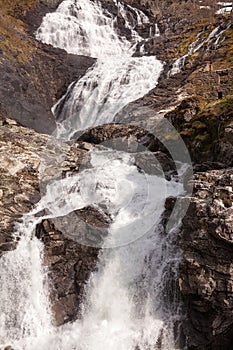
{"x": 116, "y": 175}
{"x": 130, "y": 300}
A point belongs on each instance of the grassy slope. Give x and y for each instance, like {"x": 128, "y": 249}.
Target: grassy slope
{"x": 14, "y": 43}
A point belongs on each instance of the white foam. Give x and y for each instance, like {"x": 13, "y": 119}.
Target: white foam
{"x": 115, "y": 80}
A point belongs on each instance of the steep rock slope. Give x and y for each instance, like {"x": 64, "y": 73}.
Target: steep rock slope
{"x": 199, "y": 97}
{"x": 206, "y": 274}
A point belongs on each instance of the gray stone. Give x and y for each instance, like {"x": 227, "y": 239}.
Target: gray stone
{"x": 206, "y": 272}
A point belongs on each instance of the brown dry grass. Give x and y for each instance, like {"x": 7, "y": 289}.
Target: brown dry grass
{"x": 13, "y": 39}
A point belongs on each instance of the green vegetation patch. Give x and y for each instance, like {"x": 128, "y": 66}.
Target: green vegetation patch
{"x": 202, "y": 124}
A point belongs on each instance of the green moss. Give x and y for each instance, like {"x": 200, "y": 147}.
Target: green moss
{"x": 203, "y": 138}
{"x": 187, "y": 132}
{"x": 206, "y": 129}
{"x": 198, "y": 125}
{"x": 224, "y": 54}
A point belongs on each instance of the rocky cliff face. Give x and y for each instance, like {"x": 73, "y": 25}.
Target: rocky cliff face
{"x": 206, "y": 128}
{"x": 206, "y": 275}
{"x": 31, "y": 160}
{"x": 69, "y": 263}
{"x": 23, "y": 152}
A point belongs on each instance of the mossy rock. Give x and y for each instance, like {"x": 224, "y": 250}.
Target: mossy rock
{"x": 206, "y": 130}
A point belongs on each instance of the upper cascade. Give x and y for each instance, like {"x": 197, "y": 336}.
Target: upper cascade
{"x": 85, "y": 28}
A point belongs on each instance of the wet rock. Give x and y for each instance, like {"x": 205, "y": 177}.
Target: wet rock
{"x": 149, "y": 156}
{"x": 69, "y": 262}
{"x": 28, "y": 162}
{"x": 229, "y": 133}
{"x": 206, "y": 274}
{"x": 122, "y": 137}
{"x": 34, "y": 76}
{"x": 51, "y": 3}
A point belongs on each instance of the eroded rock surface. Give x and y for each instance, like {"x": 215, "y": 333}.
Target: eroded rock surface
{"x": 34, "y": 76}
{"x": 206, "y": 273}
{"x": 206, "y": 128}
{"x": 28, "y": 162}
{"x": 31, "y": 160}
{"x": 70, "y": 265}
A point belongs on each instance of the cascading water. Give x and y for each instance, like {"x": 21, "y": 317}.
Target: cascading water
{"x": 212, "y": 40}
{"x": 124, "y": 307}
{"x": 116, "y": 79}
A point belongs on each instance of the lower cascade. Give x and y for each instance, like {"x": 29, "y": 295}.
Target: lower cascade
{"x": 130, "y": 300}
{"x": 124, "y": 306}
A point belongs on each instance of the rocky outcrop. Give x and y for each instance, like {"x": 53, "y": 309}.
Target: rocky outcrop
{"x": 21, "y": 150}
{"x": 206, "y": 273}
{"x": 30, "y": 76}
{"x": 220, "y": 80}
{"x": 206, "y": 130}
{"x": 69, "y": 264}
{"x": 28, "y": 90}
{"x": 29, "y": 160}
{"x": 150, "y": 155}
{"x": 181, "y": 23}
{"x": 106, "y": 132}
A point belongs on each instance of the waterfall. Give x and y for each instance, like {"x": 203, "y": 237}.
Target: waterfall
{"x": 130, "y": 301}
{"x": 117, "y": 78}
{"x": 24, "y": 305}
{"x": 212, "y": 41}
{"x": 124, "y": 306}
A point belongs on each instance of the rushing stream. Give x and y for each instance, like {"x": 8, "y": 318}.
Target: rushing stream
{"x": 130, "y": 300}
